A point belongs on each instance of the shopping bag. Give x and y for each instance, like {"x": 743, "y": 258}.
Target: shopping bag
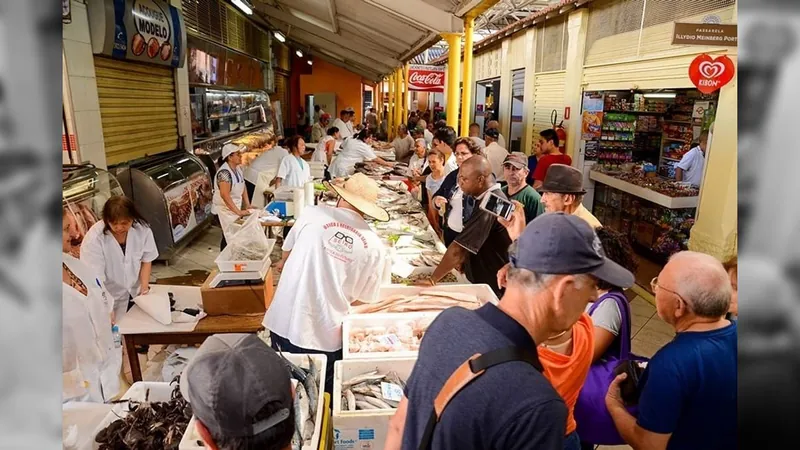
{"x": 249, "y": 243}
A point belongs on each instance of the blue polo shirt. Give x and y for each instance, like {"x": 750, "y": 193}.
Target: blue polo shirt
{"x": 510, "y": 406}
{"x": 690, "y": 391}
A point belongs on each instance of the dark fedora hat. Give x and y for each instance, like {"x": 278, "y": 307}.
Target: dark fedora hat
{"x": 563, "y": 179}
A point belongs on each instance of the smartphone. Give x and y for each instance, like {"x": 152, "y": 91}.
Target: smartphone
{"x": 498, "y": 206}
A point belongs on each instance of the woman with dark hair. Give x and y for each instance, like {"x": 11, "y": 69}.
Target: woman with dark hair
{"x": 355, "y": 150}
{"x": 326, "y": 146}
{"x": 293, "y": 171}
{"x": 121, "y": 249}
{"x": 230, "y": 200}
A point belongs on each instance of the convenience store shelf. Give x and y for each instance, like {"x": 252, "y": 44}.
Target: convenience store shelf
{"x": 647, "y": 194}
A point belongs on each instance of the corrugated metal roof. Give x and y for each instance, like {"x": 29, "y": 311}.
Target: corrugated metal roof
{"x": 428, "y": 55}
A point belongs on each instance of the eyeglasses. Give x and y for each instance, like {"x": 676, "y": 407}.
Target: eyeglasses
{"x": 342, "y": 236}
{"x": 654, "y": 285}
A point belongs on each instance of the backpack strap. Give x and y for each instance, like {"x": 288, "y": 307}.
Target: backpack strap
{"x": 467, "y": 372}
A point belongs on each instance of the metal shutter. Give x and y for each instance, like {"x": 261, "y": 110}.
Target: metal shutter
{"x": 518, "y": 83}
{"x": 137, "y": 108}
{"x": 548, "y": 95}
{"x": 282, "y": 95}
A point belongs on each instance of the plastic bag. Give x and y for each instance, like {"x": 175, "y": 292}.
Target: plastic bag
{"x": 249, "y": 243}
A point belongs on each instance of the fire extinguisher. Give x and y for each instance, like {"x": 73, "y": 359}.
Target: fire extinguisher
{"x": 560, "y": 131}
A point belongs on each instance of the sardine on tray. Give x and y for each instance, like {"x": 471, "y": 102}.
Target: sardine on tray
{"x": 372, "y": 391}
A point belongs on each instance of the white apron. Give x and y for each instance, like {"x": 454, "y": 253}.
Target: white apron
{"x": 218, "y": 206}
{"x": 91, "y": 361}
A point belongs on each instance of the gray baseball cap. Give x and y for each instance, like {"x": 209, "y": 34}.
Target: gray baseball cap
{"x": 563, "y": 244}
{"x": 230, "y": 379}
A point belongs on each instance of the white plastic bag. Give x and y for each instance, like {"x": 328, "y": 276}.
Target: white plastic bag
{"x": 249, "y": 243}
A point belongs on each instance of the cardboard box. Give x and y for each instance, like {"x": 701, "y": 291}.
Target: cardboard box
{"x": 237, "y": 300}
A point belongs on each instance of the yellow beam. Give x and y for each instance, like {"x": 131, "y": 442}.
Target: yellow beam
{"x": 453, "y": 77}
{"x": 466, "y": 106}
{"x": 406, "y": 95}
{"x": 398, "y": 89}
{"x": 390, "y": 116}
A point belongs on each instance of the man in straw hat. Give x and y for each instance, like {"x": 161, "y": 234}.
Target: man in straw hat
{"x": 562, "y": 191}
{"x": 330, "y": 259}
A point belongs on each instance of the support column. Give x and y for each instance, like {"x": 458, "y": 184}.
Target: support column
{"x": 398, "y": 89}
{"x": 390, "y": 115}
{"x": 406, "y": 94}
{"x": 578, "y": 26}
{"x": 467, "y": 91}
{"x": 453, "y": 78}
{"x": 715, "y": 229}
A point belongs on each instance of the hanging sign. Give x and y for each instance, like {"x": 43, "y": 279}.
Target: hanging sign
{"x": 426, "y": 78}
{"x": 149, "y": 31}
{"x": 705, "y": 34}
{"x": 710, "y": 74}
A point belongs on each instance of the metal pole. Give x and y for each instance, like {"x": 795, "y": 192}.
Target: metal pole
{"x": 390, "y": 115}
{"x": 453, "y": 77}
{"x": 466, "y": 100}
{"x": 407, "y": 95}
{"x": 398, "y": 89}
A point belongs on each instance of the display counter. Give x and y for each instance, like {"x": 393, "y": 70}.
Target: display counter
{"x": 645, "y": 193}
{"x": 84, "y": 191}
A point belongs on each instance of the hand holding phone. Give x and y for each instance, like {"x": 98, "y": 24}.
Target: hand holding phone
{"x": 497, "y": 206}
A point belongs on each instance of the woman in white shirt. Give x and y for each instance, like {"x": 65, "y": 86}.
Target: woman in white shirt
{"x": 355, "y": 150}
{"x": 230, "y": 200}
{"x": 326, "y": 146}
{"x": 432, "y": 184}
{"x": 419, "y": 162}
{"x": 91, "y": 360}
{"x": 120, "y": 249}
{"x": 293, "y": 172}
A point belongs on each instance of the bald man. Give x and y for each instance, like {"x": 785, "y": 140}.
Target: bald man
{"x": 481, "y": 249}
{"x": 689, "y": 395}
{"x": 495, "y": 125}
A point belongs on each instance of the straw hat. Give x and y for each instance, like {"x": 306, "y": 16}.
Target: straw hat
{"x": 362, "y": 192}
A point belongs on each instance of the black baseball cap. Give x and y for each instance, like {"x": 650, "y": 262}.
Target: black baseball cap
{"x": 230, "y": 379}
{"x": 564, "y": 244}
{"x": 492, "y": 133}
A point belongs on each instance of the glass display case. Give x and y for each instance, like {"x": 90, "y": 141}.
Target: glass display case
{"x": 84, "y": 191}
{"x": 219, "y": 114}
{"x": 173, "y": 192}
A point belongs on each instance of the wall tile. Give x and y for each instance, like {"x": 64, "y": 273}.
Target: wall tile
{"x": 84, "y": 94}
{"x": 78, "y": 30}
{"x": 89, "y": 127}
{"x": 94, "y": 153}
{"x": 79, "y": 59}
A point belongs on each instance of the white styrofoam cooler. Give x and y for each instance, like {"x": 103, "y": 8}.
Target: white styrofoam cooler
{"x": 190, "y": 437}
{"x": 381, "y": 320}
{"x": 159, "y": 392}
{"x": 225, "y": 264}
{"x": 484, "y": 293}
{"x": 363, "y": 429}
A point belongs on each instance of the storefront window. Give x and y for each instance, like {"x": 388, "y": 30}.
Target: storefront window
{"x": 487, "y": 102}
{"x": 517, "y": 108}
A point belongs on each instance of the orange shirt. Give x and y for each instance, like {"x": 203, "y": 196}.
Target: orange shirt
{"x": 567, "y": 373}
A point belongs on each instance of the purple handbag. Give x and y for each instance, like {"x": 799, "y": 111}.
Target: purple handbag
{"x": 595, "y": 425}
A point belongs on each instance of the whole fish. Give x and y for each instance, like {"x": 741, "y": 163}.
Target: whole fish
{"x": 351, "y": 400}
{"x": 344, "y": 403}
{"x": 377, "y": 402}
{"x": 301, "y": 407}
{"x": 393, "y": 378}
{"x": 369, "y": 376}
{"x": 361, "y": 389}
{"x": 297, "y": 372}
{"x": 297, "y": 441}
{"x": 365, "y": 405}
{"x": 310, "y": 384}
{"x": 308, "y": 430}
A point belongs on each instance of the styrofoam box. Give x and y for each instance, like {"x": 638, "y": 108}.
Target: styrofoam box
{"x": 159, "y": 392}
{"x": 225, "y": 264}
{"x": 190, "y": 437}
{"x": 363, "y": 429}
{"x": 484, "y": 293}
{"x": 381, "y": 320}
{"x": 427, "y": 270}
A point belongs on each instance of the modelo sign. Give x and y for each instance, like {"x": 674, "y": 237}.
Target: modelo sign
{"x": 140, "y": 30}
{"x": 426, "y": 78}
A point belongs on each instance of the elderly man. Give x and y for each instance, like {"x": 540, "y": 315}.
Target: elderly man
{"x": 563, "y": 191}
{"x": 425, "y": 132}
{"x": 481, "y": 247}
{"x": 475, "y": 135}
{"x": 343, "y": 124}
{"x": 495, "y": 153}
{"x": 495, "y": 125}
{"x": 403, "y": 145}
{"x": 320, "y": 129}
{"x": 515, "y": 171}
{"x": 689, "y": 396}
{"x": 548, "y": 289}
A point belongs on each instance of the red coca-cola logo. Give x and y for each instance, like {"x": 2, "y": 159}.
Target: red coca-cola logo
{"x": 430, "y": 78}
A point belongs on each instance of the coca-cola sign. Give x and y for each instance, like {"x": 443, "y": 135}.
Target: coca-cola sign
{"x": 426, "y": 78}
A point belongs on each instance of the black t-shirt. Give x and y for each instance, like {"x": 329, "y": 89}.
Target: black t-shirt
{"x": 511, "y": 406}
{"x": 487, "y": 242}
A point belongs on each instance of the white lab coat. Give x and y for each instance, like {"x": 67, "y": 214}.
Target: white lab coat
{"x": 218, "y": 206}
{"x": 117, "y": 271}
{"x": 91, "y": 360}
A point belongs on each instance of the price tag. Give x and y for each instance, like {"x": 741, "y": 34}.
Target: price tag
{"x": 389, "y": 339}
{"x": 391, "y": 392}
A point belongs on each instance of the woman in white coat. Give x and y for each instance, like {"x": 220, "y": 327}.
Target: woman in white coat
{"x": 293, "y": 172}
{"x": 91, "y": 360}
{"x": 355, "y": 150}
{"x": 120, "y": 249}
{"x": 230, "y": 200}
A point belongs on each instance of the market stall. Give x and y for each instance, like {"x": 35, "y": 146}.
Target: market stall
{"x": 84, "y": 190}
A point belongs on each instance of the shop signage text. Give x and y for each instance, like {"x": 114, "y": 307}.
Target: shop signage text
{"x": 139, "y": 30}
{"x": 426, "y": 78}
{"x": 705, "y": 34}
{"x": 710, "y": 74}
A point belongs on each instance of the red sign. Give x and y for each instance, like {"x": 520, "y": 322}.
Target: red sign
{"x": 426, "y": 78}
{"x": 710, "y": 74}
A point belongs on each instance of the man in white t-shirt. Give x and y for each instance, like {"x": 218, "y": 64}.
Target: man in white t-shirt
{"x": 501, "y": 140}
{"x": 331, "y": 258}
{"x": 495, "y": 153}
{"x": 341, "y": 123}
{"x": 690, "y": 168}
{"x": 267, "y": 162}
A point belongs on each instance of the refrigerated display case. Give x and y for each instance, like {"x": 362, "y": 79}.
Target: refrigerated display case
{"x": 84, "y": 191}
{"x": 173, "y": 191}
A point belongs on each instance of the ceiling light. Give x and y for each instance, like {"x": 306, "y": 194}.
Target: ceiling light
{"x": 299, "y": 53}
{"x": 243, "y": 5}
{"x": 279, "y": 36}
{"x": 660, "y": 95}
{"x": 309, "y": 62}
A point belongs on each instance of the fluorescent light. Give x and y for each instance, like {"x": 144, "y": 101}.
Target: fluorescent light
{"x": 299, "y": 53}
{"x": 279, "y": 36}
{"x": 309, "y": 62}
{"x": 243, "y": 6}
{"x": 660, "y": 95}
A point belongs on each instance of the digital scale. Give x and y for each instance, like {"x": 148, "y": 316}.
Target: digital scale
{"x": 226, "y": 279}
